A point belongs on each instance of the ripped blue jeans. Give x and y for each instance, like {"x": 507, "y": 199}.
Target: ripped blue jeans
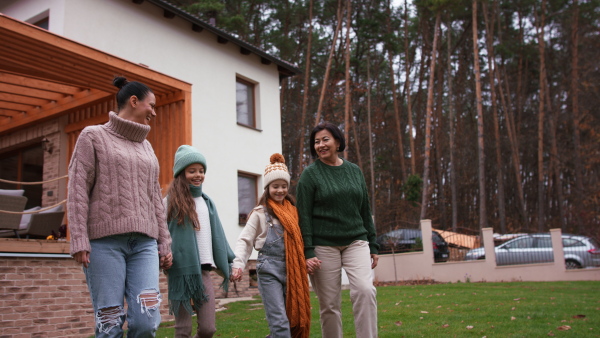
{"x": 124, "y": 267}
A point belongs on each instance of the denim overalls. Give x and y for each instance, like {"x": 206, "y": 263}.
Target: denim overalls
{"x": 272, "y": 279}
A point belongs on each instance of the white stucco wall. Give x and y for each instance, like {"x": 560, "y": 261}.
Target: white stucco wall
{"x": 140, "y": 34}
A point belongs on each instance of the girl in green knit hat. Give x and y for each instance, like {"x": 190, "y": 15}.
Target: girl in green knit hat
{"x": 199, "y": 246}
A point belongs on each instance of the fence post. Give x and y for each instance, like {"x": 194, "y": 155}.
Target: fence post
{"x": 426, "y": 238}
{"x": 557, "y": 249}
{"x": 489, "y": 247}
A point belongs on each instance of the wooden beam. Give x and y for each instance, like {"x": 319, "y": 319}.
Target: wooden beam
{"x": 37, "y": 83}
{"x": 56, "y": 108}
{"x": 95, "y": 58}
{"x": 222, "y": 40}
{"x": 265, "y": 61}
{"x": 23, "y": 91}
{"x": 15, "y": 106}
{"x": 245, "y": 51}
{"x": 99, "y": 119}
{"x": 12, "y": 97}
{"x": 33, "y": 246}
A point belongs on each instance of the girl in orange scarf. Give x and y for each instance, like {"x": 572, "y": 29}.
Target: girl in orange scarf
{"x": 273, "y": 230}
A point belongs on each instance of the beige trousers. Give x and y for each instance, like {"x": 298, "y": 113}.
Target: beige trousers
{"x": 205, "y": 314}
{"x": 327, "y": 283}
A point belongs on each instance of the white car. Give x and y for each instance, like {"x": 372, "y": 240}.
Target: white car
{"x": 579, "y": 251}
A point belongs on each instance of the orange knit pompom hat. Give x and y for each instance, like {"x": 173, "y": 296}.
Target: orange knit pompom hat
{"x": 277, "y": 170}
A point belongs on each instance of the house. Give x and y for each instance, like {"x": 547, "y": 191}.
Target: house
{"x": 57, "y": 61}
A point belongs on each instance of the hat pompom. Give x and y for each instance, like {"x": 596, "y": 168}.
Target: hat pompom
{"x": 277, "y": 158}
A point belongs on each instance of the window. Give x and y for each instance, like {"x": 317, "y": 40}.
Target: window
{"x": 24, "y": 165}
{"x": 247, "y": 196}
{"x": 245, "y": 105}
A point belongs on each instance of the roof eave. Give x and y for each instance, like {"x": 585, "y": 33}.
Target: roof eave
{"x": 285, "y": 69}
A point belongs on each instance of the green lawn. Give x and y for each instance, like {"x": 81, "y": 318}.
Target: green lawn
{"x": 519, "y": 309}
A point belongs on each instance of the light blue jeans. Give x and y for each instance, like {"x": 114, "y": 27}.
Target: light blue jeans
{"x": 272, "y": 281}
{"x": 124, "y": 266}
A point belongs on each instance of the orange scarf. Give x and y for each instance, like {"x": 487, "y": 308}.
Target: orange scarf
{"x": 297, "y": 295}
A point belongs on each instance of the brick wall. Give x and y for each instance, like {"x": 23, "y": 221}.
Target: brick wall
{"x": 48, "y": 297}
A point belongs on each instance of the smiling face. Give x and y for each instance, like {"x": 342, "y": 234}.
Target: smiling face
{"x": 143, "y": 110}
{"x": 278, "y": 189}
{"x": 326, "y": 146}
{"x": 194, "y": 174}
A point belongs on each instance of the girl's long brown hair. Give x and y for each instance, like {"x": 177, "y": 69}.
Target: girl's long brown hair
{"x": 180, "y": 203}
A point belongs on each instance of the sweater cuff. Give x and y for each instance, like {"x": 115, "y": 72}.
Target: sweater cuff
{"x": 80, "y": 244}
{"x": 309, "y": 253}
{"x": 374, "y": 248}
{"x": 164, "y": 249}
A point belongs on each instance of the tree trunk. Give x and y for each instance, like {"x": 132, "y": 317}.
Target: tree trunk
{"x": 428, "y": 116}
{"x": 399, "y": 132}
{"x": 575, "y": 112}
{"x": 408, "y": 89}
{"x": 541, "y": 112}
{"x": 371, "y": 157}
{"x": 480, "y": 131}
{"x": 328, "y": 68}
{"x": 348, "y": 92}
{"x": 301, "y": 158}
{"x": 489, "y": 29}
{"x": 452, "y": 113}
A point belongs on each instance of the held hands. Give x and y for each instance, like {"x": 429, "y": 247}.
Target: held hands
{"x": 236, "y": 275}
{"x": 166, "y": 261}
{"x": 312, "y": 265}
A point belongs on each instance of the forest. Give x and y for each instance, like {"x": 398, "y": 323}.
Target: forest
{"x": 470, "y": 113}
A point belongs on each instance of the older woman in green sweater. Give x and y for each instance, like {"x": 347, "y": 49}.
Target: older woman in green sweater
{"x": 338, "y": 232}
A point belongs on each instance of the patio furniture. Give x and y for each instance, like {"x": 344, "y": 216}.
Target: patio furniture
{"x": 10, "y": 222}
{"x": 39, "y": 225}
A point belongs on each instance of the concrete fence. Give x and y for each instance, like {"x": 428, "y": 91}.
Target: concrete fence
{"x": 420, "y": 265}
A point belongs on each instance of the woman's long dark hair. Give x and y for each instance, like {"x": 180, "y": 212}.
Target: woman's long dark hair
{"x": 180, "y": 203}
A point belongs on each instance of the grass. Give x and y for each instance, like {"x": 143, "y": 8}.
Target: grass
{"x": 517, "y": 309}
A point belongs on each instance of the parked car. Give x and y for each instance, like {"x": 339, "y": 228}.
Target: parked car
{"x": 406, "y": 240}
{"x": 579, "y": 251}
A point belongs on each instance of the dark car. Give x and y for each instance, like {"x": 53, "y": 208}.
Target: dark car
{"x": 407, "y": 240}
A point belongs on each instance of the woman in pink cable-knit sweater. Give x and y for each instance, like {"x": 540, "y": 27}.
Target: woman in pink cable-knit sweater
{"x": 116, "y": 215}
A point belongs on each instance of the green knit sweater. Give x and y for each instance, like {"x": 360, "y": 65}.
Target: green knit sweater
{"x": 333, "y": 205}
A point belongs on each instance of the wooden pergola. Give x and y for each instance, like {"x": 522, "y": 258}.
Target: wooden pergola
{"x": 44, "y": 76}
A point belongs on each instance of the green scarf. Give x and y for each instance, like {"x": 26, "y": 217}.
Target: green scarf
{"x": 185, "y": 276}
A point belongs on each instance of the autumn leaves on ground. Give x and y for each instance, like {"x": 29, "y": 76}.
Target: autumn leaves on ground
{"x": 460, "y": 309}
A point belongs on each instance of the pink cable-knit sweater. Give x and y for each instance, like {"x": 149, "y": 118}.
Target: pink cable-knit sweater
{"x": 113, "y": 185}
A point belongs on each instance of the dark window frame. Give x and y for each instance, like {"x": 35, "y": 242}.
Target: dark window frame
{"x": 252, "y": 89}
{"x": 243, "y": 217}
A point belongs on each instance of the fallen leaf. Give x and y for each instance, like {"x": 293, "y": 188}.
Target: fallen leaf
{"x": 513, "y": 309}
{"x": 469, "y": 327}
{"x": 563, "y": 321}
{"x": 512, "y": 318}
{"x": 551, "y": 334}
{"x": 424, "y": 312}
{"x": 439, "y": 306}
{"x": 398, "y": 323}
{"x": 578, "y": 316}
{"x": 517, "y": 299}
{"x": 564, "y": 328}
{"x": 445, "y": 325}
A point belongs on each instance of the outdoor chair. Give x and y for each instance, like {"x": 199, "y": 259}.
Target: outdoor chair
{"x": 10, "y": 222}
{"x": 39, "y": 225}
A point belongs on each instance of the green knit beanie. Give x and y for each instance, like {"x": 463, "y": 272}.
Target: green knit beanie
{"x": 185, "y": 156}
